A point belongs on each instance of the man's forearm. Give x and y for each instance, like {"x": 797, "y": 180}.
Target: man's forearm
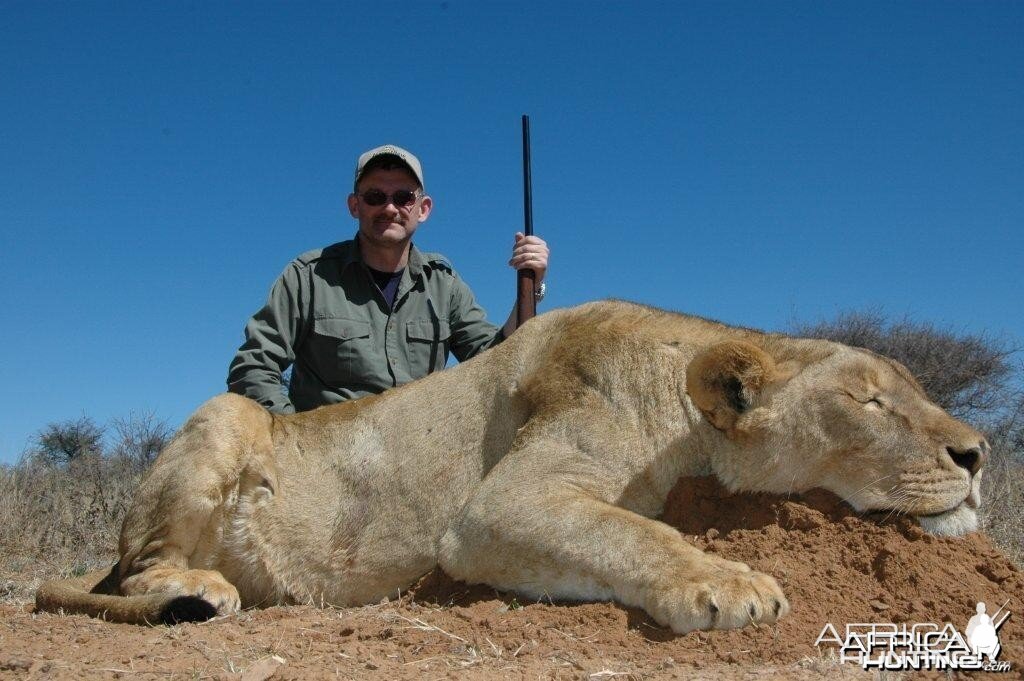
{"x": 510, "y": 323}
{"x": 263, "y": 386}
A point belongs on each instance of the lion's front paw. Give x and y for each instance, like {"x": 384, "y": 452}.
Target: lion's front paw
{"x": 721, "y": 599}
{"x": 208, "y": 585}
{"x": 215, "y": 590}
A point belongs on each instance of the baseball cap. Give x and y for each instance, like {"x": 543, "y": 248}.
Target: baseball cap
{"x": 391, "y": 150}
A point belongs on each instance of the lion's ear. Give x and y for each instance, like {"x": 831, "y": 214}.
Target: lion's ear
{"x": 724, "y": 380}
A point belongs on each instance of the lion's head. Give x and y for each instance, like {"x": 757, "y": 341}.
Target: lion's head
{"x": 805, "y": 414}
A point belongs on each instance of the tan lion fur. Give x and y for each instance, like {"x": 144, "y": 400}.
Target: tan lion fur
{"x": 536, "y": 467}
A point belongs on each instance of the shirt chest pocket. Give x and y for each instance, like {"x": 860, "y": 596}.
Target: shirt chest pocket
{"x": 342, "y": 350}
{"x": 427, "y": 342}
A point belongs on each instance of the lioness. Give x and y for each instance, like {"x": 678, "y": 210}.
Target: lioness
{"x": 536, "y": 467}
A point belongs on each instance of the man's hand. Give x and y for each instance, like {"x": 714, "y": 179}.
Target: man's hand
{"x": 530, "y": 252}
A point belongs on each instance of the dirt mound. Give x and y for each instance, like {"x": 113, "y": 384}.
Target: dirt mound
{"x": 838, "y": 566}
{"x": 834, "y": 565}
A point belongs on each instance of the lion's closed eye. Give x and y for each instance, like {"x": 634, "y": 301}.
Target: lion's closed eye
{"x": 872, "y": 402}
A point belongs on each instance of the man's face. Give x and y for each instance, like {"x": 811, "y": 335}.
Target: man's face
{"x": 388, "y": 225}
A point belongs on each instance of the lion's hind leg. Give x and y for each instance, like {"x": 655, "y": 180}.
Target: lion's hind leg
{"x": 538, "y": 530}
{"x": 173, "y": 536}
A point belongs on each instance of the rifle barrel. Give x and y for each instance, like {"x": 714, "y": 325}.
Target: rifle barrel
{"x": 527, "y": 181}
{"x": 526, "y": 304}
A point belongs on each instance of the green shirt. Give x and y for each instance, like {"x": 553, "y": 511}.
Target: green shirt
{"x": 327, "y": 318}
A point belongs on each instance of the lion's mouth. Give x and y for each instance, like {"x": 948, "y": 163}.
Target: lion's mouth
{"x": 969, "y": 501}
{"x": 952, "y": 521}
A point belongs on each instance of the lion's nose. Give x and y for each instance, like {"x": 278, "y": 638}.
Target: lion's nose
{"x": 972, "y": 459}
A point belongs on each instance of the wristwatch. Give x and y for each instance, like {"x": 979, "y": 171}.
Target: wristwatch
{"x": 540, "y": 292}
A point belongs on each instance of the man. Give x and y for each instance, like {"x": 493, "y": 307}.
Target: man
{"x": 364, "y": 315}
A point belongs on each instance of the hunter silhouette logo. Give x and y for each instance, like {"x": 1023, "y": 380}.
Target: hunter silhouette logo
{"x": 983, "y": 634}
{"x": 922, "y": 646}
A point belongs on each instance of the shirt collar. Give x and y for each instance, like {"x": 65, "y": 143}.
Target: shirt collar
{"x": 414, "y": 266}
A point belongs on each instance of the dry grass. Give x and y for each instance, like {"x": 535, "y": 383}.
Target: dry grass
{"x": 61, "y": 520}
{"x": 1003, "y": 507}
{"x": 72, "y": 510}
{"x": 63, "y": 504}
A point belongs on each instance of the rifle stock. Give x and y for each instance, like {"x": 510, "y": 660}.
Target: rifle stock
{"x": 526, "y": 304}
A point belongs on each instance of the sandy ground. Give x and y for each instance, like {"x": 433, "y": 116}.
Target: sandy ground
{"x": 835, "y": 566}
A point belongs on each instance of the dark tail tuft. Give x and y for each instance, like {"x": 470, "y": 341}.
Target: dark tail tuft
{"x": 187, "y": 609}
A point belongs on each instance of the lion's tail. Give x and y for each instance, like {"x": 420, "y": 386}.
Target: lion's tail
{"x": 94, "y": 594}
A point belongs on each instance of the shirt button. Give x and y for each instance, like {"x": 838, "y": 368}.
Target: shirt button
{"x": 392, "y": 362}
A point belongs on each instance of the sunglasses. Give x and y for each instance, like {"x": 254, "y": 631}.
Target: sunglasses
{"x": 402, "y": 197}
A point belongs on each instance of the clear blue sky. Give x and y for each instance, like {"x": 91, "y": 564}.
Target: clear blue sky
{"x": 758, "y": 163}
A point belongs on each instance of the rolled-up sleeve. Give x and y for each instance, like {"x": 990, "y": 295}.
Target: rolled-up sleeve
{"x": 471, "y": 332}
{"x": 271, "y": 336}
